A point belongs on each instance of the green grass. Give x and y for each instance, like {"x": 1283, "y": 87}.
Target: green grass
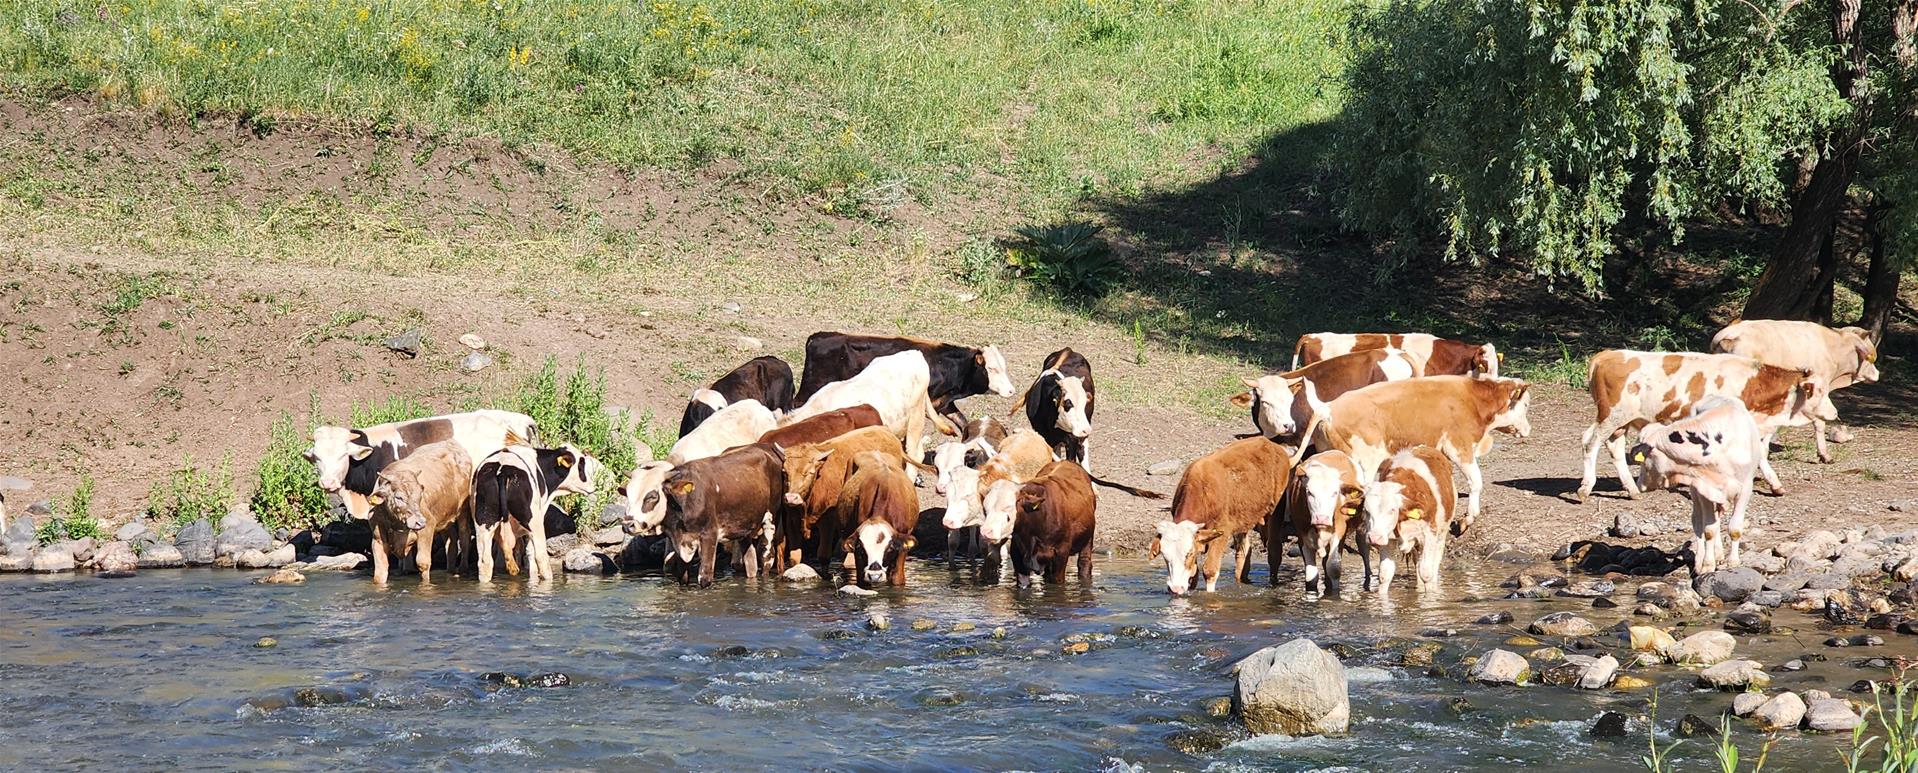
{"x": 862, "y": 104}
{"x": 73, "y": 518}
{"x": 189, "y": 493}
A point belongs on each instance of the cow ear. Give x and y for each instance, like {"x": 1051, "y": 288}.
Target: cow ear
{"x": 359, "y": 452}
{"x": 564, "y": 460}
{"x": 683, "y": 488}
{"x": 1243, "y": 399}
{"x": 1152, "y": 550}
{"x": 1203, "y": 536}
{"x": 1249, "y": 383}
{"x": 1518, "y": 392}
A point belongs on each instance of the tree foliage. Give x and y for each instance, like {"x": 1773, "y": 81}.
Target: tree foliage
{"x": 1561, "y": 130}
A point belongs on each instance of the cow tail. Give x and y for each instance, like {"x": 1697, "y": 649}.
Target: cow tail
{"x": 1020, "y": 403}
{"x": 1137, "y": 492}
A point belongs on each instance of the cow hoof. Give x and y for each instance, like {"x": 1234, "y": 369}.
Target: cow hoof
{"x": 1777, "y": 491}
{"x": 1580, "y": 495}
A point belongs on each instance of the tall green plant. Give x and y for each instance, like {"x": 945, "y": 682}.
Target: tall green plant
{"x": 572, "y": 409}
{"x": 73, "y": 518}
{"x": 188, "y": 494}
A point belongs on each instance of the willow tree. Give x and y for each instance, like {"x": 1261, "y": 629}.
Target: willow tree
{"x": 1567, "y": 130}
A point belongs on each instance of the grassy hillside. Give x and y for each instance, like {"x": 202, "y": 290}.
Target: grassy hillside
{"x": 857, "y": 103}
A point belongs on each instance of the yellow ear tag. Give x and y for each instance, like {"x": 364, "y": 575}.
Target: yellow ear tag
{"x": 684, "y": 488}
{"x": 375, "y": 499}
{"x": 911, "y": 543}
{"x": 564, "y": 461}
{"x": 1351, "y": 511}
{"x": 1638, "y": 457}
{"x": 1415, "y": 513}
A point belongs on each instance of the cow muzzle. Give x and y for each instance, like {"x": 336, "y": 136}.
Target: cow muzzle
{"x": 330, "y": 486}
{"x": 794, "y": 499}
{"x": 1177, "y": 588}
{"x": 875, "y": 573}
{"x": 416, "y": 523}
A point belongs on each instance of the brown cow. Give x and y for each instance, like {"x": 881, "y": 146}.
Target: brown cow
{"x": 1837, "y": 358}
{"x": 729, "y": 499}
{"x": 1435, "y": 356}
{"x": 1050, "y": 519}
{"x": 1408, "y": 512}
{"x": 823, "y": 427}
{"x": 1454, "y": 414}
{"x": 880, "y": 500}
{"x": 1631, "y": 388}
{"x": 1283, "y": 403}
{"x": 811, "y": 525}
{"x": 419, "y": 496}
{"x": 1222, "y": 498}
{"x": 1322, "y": 507}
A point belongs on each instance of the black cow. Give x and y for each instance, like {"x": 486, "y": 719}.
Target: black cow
{"x": 767, "y": 379}
{"x": 513, "y": 484}
{"x": 1059, "y": 404}
{"x": 957, "y": 371}
{"x": 729, "y": 498}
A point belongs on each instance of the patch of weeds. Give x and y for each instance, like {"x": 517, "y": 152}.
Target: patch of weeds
{"x": 338, "y": 326}
{"x": 1866, "y": 473}
{"x": 1567, "y": 369}
{"x": 72, "y": 519}
{"x": 133, "y": 292}
{"x": 169, "y": 394}
{"x": 982, "y": 265}
{"x": 126, "y": 367}
{"x": 395, "y": 408}
{"x": 188, "y": 494}
{"x": 572, "y": 409}
{"x": 286, "y": 492}
{"x": 1070, "y": 258}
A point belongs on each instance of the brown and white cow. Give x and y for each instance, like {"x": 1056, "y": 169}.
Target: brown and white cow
{"x": 767, "y": 379}
{"x": 1408, "y": 513}
{"x": 953, "y": 372}
{"x": 1050, "y": 519}
{"x": 812, "y": 527}
{"x": 1630, "y": 389}
{"x": 1454, "y": 414}
{"x": 1714, "y": 453}
{"x": 426, "y": 493}
{"x": 895, "y": 386}
{"x": 1837, "y": 358}
{"x": 822, "y": 427}
{"x": 883, "y": 507}
{"x": 645, "y": 496}
{"x": 1059, "y": 405}
{"x": 1020, "y": 456}
{"x": 737, "y": 424}
{"x": 1222, "y": 498}
{"x": 349, "y": 459}
{"x": 981, "y": 441}
{"x": 1435, "y": 356}
{"x": 1283, "y": 403}
{"x": 1322, "y": 507}
{"x": 729, "y": 499}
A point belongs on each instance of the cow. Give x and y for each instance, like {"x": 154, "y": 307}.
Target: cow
{"x": 895, "y": 386}
{"x": 1222, "y": 498}
{"x": 1049, "y": 519}
{"x": 881, "y": 504}
{"x": 645, "y": 496}
{"x": 1630, "y": 389}
{"x": 1408, "y": 513}
{"x": 954, "y": 372}
{"x": 1322, "y": 507}
{"x": 1019, "y": 457}
{"x": 812, "y": 523}
{"x": 738, "y": 424}
{"x": 1282, "y": 403}
{"x": 419, "y": 496}
{"x": 823, "y": 427}
{"x": 1059, "y": 405}
{"x": 767, "y": 379}
{"x": 1837, "y": 358}
{"x": 513, "y": 486}
{"x": 349, "y": 459}
{"x": 1714, "y": 452}
{"x": 981, "y": 440}
{"x": 729, "y": 500}
{"x": 1454, "y": 414}
{"x": 1435, "y": 356}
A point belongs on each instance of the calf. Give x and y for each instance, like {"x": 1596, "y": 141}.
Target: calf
{"x": 737, "y": 424}
{"x": 419, "y": 496}
{"x": 1408, "y": 512}
{"x": 349, "y": 460}
{"x": 895, "y": 386}
{"x": 1836, "y": 358}
{"x": 812, "y": 525}
{"x": 982, "y": 439}
{"x": 1059, "y": 405}
{"x": 880, "y": 501}
{"x": 823, "y": 427}
{"x": 1283, "y": 403}
{"x": 1454, "y": 414}
{"x": 1323, "y": 506}
{"x": 645, "y": 496}
{"x": 1049, "y": 520}
{"x": 954, "y": 372}
{"x": 1714, "y": 452}
{"x": 1018, "y": 458}
{"x": 1222, "y": 498}
{"x": 1630, "y": 389}
{"x": 767, "y": 379}
{"x": 729, "y": 499}
{"x": 1435, "y": 356}
{"x": 516, "y": 484}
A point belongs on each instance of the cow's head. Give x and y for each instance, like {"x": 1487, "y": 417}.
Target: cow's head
{"x": 998, "y": 378}
{"x": 949, "y": 456}
{"x": 334, "y": 450}
{"x": 1515, "y": 417}
{"x": 803, "y": 464}
{"x": 1866, "y": 351}
{"x": 1270, "y": 399}
{"x": 645, "y": 497}
{"x": 1811, "y": 399}
{"x": 1001, "y": 504}
{"x": 962, "y": 500}
{"x": 1488, "y": 360}
{"x": 1384, "y": 508}
{"x": 581, "y": 470}
{"x": 1181, "y": 542}
{"x": 683, "y": 495}
{"x": 400, "y": 495}
{"x": 1328, "y": 491}
{"x": 874, "y": 545}
{"x": 1070, "y": 398}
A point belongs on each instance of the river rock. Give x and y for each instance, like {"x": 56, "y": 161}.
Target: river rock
{"x": 82, "y": 549}
{"x": 583, "y": 560}
{"x": 1769, "y": 599}
{"x": 878, "y": 621}
{"x": 1500, "y": 667}
{"x": 1562, "y": 624}
{"x": 1747, "y": 622}
{"x": 1735, "y": 675}
{"x": 1166, "y": 467}
{"x": 130, "y": 531}
{"x": 258, "y": 559}
{"x": 475, "y": 362}
{"x": 115, "y": 559}
{"x": 1648, "y": 609}
{"x": 1599, "y": 674}
{"x": 1828, "y": 581}
{"x": 238, "y": 534}
{"x": 1500, "y": 617}
{"x": 1704, "y": 648}
{"x": 282, "y": 576}
{"x": 1629, "y": 682}
{"x": 1847, "y": 607}
{"x": 1419, "y": 654}
{"x": 54, "y": 558}
{"x": 1765, "y": 563}
{"x": 854, "y": 590}
{"x": 1831, "y": 715}
{"x": 1561, "y": 674}
{"x": 18, "y": 538}
{"x": 800, "y": 572}
{"x": 1294, "y": 689}
{"x": 1783, "y": 711}
{"x": 1588, "y": 589}
{"x": 1694, "y": 726}
{"x": 610, "y": 536}
{"x": 1610, "y": 724}
{"x": 1733, "y": 584}
{"x": 1644, "y": 638}
{"x": 407, "y": 343}
{"x": 161, "y": 557}
{"x": 344, "y": 562}
{"x": 1818, "y": 546}
{"x": 1906, "y": 571}
{"x": 1744, "y": 703}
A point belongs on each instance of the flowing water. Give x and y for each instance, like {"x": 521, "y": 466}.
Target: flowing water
{"x": 161, "y": 671}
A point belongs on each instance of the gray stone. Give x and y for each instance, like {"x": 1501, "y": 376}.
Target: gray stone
{"x": 1733, "y": 584}
{"x": 1500, "y": 667}
{"x": 1818, "y": 545}
{"x": 407, "y": 343}
{"x": 878, "y": 621}
{"x": 42, "y": 508}
{"x": 730, "y": 307}
{"x": 1294, "y": 689}
{"x": 263, "y": 559}
{"x": 1704, "y": 648}
{"x": 161, "y": 557}
{"x": 130, "y": 532}
{"x": 1563, "y": 624}
{"x": 1167, "y": 467}
{"x": 748, "y": 344}
{"x": 1788, "y": 582}
{"x": 115, "y": 558}
{"x": 1735, "y": 675}
{"x": 560, "y": 545}
{"x": 16, "y": 562}
{"x": 1765, "y": 563}
{"x": 196, "y": 543}
{"x": 54, "y": 558}
{"x": 344, "y": 562}
{"x": 1831, "y": 715}
{"x": 1769, "y": 599}
{"x": 582, "y": 560}
{"x": 472, "y": 341}
{"x": 610, "y": 536}
{"x": 239, "y": 533}
{"x": 1828, "y": 581}
{"x": 1782, "y": 712}
{"x": 82, "y": 548}
{"x": 475, "y": 362}
{"x": 19, "y": 530}
{"x": 854, "y": 590}
{"x": 800, "y": 573}
{"x": 1747, "y": 702}
{"x": 1599, "y": 674}
{"x": 1610, "y": 724}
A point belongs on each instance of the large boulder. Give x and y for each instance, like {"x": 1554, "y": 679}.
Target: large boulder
{"x": 344, "y": 562}
{"x": 239, "y": 532}
{"x": 1735, "y": 675}
{"x": 1732, "y": 585}
{"x": 1645, "y": 638}
{"x": 1293, "y": 689}
{"x": 1831, "y": 715}
{"x": 54, "y": 558}
{"x": 1501, "y": 667}
{"x": 196, "y": 543}
{"x": 1704, "y": 648}
{"x": 1599, "y": 674}
{"x": 584, "y": 560}
{"x": 1563, "y": 624}
{"x": 115, "y": 558}
{"x": 1782, "y": 712}
{"x": 18, "y": 539}
{"x": 161, "y": 557}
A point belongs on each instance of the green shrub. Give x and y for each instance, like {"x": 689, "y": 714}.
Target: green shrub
{"x": 573, "y": 410}
{"x": 286, "y": 492}
{"x": 393, "y": 409}
{"x": 1068, "y": 257}
{"x": 188, "y": 494}
{"x": 72, "y": 519}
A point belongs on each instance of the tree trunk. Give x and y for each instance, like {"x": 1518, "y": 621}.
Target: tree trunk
{"x": 1881, "y": 278}
{"x": 1825, "y": 284}
{"x": 1790, "y": 287}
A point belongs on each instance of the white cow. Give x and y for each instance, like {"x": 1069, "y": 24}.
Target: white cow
{"x": 1715, "y": 452}
{"x": 737, "y": 424}
{"x": 895, "y": 386}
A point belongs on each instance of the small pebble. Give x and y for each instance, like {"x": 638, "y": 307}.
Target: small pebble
{"x": 266, "y": 642}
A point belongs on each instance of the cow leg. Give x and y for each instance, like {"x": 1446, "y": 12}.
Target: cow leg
{"x": 1388, "y": 562}
{"x": 1477, "y": 482}
{"x": 381, "y": 557}
{"x": 1242, "y": 555}
{"x": 1818, "y": 438}
{"x": 1085, "y": 563}
{"x": 1764, "y": 466}
{"x": 708, "y": 558}
{"x": 423, "y": 552}
{"x": 509, "y": 546}
{"x": 1085, "y": 453}
{"x": 1334, "y": 563}
{"x": 1309, "y": 552}
{"x": 915, "y": 442}
{"x": 1703, "y": 533}
{"x": 896, "y": 574}
{"x": 1588, "y": 478}
{"x": 1735, "y": 522}
{"x": 483, "y": 548}
{"x": 1617, "y": 445}
{"x": 1431, "y": 553}
{"x": 1214, "y": 558}
{"x": 539, "y": 565}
